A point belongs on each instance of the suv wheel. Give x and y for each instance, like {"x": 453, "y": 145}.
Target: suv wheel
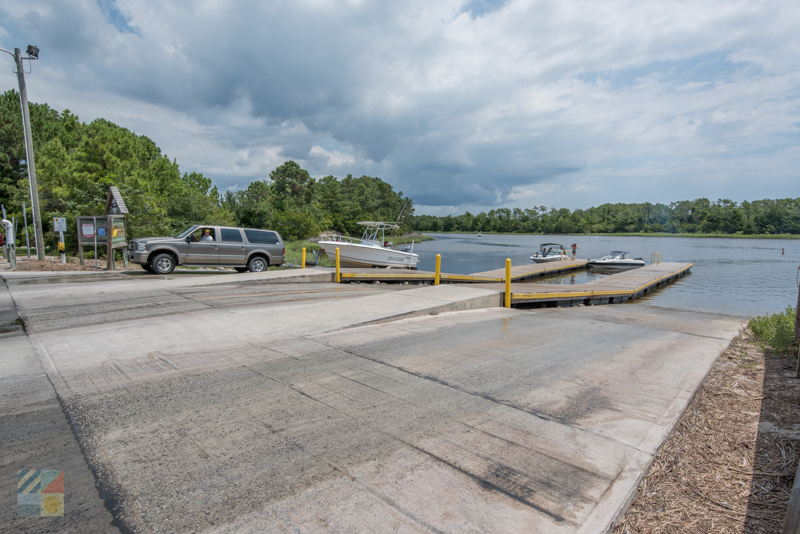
{"x": 163, "y": 263}
{"x": 257, "y": 264}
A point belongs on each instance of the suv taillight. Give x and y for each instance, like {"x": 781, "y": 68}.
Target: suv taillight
{"x": 284, "y": 252}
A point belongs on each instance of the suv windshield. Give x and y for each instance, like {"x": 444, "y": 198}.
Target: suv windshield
{"x": 186, "y": 232}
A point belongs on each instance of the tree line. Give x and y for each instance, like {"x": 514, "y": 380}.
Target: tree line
{"x": 700, "y": 216}
{"x": 77, "y": 162}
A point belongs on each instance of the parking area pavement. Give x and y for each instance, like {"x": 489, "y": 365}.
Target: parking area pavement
{"x": 327, "y": 408}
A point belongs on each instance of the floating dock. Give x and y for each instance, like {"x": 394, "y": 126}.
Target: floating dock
{"x": 518, "y": 274}
{"x": 612, "y": 289}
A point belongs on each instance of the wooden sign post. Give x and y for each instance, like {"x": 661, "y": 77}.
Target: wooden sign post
{"x": 109, "y": 230}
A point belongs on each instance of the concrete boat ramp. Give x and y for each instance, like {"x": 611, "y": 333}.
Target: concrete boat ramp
{"x": 278, "y": 402}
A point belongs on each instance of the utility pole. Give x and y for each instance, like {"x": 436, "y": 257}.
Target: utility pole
{"x": 26, "y": 120}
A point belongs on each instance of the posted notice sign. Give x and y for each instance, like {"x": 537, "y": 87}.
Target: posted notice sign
{"x": 87, "y": 230}
{"x": 59, "y": 224}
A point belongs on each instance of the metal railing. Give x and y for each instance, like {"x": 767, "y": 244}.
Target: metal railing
{"x": 655, "y": 258}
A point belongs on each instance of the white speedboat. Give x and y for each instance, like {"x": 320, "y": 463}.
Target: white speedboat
{"x": 618, "y": 259}
{"x": 372, "y": 250}
{"x": 550, "y": 252}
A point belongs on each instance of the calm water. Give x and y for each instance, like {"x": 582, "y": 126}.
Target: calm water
{"x": 734, "y": 276}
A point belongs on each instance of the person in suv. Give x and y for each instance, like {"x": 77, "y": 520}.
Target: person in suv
{"x": 243, "y": 249}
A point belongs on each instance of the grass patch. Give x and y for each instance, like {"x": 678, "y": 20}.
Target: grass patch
{"x": 294, "y": 253}
{"x": 775, "y": 331}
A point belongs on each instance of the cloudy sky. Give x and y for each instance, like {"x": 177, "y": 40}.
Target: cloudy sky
{"x": 461, "y": 104}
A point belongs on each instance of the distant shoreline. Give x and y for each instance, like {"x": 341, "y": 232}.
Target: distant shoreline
{"x": 643, "y": 234}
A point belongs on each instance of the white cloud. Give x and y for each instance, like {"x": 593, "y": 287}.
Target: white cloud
{"x": 513, "y": 103}
{"x": 335, "y": 158}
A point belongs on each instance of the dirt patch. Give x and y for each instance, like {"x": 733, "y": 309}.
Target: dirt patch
{"x": 729, "y": 465}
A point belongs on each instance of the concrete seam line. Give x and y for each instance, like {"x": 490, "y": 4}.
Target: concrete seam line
{"x": 684, "y": 397}
{"x": 53, "y": 374}
{"x": 693, "y": 386}
{"x": 704, "y": 336}
{"x": 50, "y": 369}
{"x": 606, "y": 517}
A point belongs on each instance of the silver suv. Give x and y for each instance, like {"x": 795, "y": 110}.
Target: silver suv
{"x": 207, "y": 245}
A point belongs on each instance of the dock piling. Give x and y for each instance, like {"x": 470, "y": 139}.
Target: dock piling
{"x": 508, "y": 283}
{"x": 438, "y": 273}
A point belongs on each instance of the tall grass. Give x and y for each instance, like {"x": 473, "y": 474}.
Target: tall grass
{"x": 294, "y": 253}
{"x": 775, "y": 331}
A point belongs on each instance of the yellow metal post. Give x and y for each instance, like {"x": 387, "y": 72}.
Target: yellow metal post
{"x": 303, "y": 263}
{"x": 438, "y": 269}
{"x": 338, "y": 274}
{"x": 508, "y": 283}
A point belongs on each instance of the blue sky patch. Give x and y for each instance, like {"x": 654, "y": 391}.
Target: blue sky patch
{"x": 711, "y": 68}
{"x": 115, "y": 17}
{"x": 481, "y": 7}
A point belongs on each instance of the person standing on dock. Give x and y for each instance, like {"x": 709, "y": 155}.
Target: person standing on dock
{"x": 574, "y": 250}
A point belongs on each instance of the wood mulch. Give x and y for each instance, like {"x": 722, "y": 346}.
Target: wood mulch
{"x": 730, "y": 464}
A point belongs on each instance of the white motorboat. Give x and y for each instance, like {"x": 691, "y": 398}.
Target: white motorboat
{"x": 618, "y": 259}
{"x": 480, "y": 234}
{"x": 372, "y": 250}
{"x": 550, "y": 252}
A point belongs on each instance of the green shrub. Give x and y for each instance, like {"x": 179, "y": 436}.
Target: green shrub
{"x": 293, "y": 225}
{"x": 776, "y": 331}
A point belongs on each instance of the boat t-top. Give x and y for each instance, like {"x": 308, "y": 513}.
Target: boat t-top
{"x": 618, "y": 259}
{"x": 372, "y": 250}
{"x": 550, "y": 252}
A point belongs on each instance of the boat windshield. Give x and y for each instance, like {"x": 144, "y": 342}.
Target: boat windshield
{"x": 617, "y": 254}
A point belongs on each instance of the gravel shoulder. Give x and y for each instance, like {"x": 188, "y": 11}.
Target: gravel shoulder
{"x": 730, "y": 464}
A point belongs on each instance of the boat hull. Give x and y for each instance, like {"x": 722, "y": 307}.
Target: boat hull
{"x": 616, "y": 265}
{"x": 548, "y": 259}
{"x": 353, "y": 255}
